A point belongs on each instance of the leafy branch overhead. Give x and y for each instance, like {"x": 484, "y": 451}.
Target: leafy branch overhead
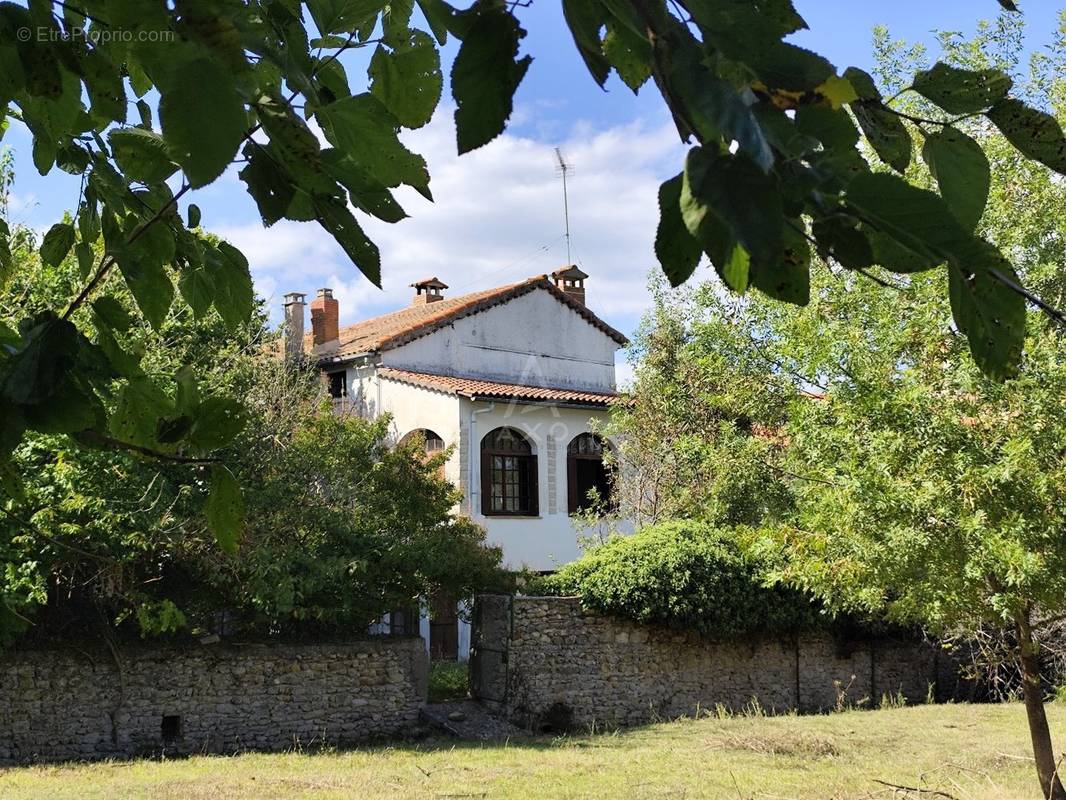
{"x": 148, "y": 117}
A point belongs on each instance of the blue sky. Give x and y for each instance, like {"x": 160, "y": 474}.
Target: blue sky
{"x": 498, "y": 211}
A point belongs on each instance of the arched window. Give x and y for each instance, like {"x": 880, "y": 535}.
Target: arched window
{"x": 508, "y": 474}
{"x": 586, "y": 471}
{"x": 433, "y": 443}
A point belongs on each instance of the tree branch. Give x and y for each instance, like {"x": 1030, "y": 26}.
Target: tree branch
{"x": 98, "y": 438}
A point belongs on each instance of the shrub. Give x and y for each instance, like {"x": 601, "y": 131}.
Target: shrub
{"x": 683, "y": 574}
{"x": 448, "y": 680}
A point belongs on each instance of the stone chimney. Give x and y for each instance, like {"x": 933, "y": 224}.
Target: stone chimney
{"x": 293, "y": 333}
{"x": 325, "y": 318}
{"x": 427, "y": 290}
{"x": 571, "y": 282}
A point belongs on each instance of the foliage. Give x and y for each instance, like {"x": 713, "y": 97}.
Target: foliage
{"x": 922, "y": 488}
{"x": 340, "y": 527}
{"x": 261, "y": 76}
{"x": 684, "y": 443}
{"x": 683, "y": 574}
{"x": 448, "y": 680}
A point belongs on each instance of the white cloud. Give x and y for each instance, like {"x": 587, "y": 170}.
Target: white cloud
{"x": 497, "y": 217}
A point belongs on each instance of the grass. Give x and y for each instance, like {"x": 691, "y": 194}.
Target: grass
{"x": 969, "y": 752}
{"x": 448, "y": 680}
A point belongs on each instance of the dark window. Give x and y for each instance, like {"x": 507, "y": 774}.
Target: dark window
{"x": 338, "y": 384}
{"x": 508, "y": 474}
{"x": 585, "y": 472}
{"x": 171, "y": 727}
{"x": 404, "y": 621}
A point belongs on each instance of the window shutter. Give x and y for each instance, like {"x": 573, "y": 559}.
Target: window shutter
{"x": 534, "y": 493}
{"x": 572, "y": 500}
{"x": 486, "y": 483}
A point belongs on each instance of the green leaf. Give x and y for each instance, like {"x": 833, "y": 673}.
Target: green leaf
{"x": 110, "y": 313}
{"x": 150, "y": 285}
{"x": 717, "y": 110}
{"x": 203, "y": 119}
{"x": 485, "y": 74}
{"x": 234, "y": 296}
{"x": 742, "y": 196}
{"x": 141, "y": 404}
{"x": 439, "y": 16}
{"x": 343, "y": 16}
{"x": 34, "y": 373}
{"x": 1036, "y": 135}
{"x": 961, "y": 170}
{"x": 884, "y": 130}
{"x": 334, "y": 216}
{"x": 962, "y": 91}
{"x": 631, "y": 55}
{"x": 586, "y": 18}
{"x": 145, "y": 113}
{"x": 268, "y": 183}
{"x": 366, "y": 193}
{"x": 103, "y": 80}
{"x": 224, "y": 509}
{"x": 991, "y": 314}
{"x": 57, "y": 243}
{"x": 408, "y": 80}
{"x": 832, "y": 127}
{"x": 917, "y": 219}
{"x": 11, "y": 481}
{"x": 363, "y": 129}
{"x": 786, "y": 277}
{"x": 678, "y": 250}
{"x": 216, "y": 422}
{"x": 194, "y": 215}
{"x": 186, "y": 391}
{"x": 86, "y": 259}
{"x": 839, "y": 239}
{"x": 197, "y": 288}
{"x": 141, "y": 154}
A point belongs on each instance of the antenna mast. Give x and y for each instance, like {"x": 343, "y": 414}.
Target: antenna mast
{"x": 563, "y": 169}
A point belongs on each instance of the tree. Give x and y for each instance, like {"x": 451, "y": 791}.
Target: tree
{"x": 922, "y": 490}
{"x": 341, "y": 527}
{"x": 218, "y": 81}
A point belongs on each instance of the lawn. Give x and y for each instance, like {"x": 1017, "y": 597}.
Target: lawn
{"x": 965, "y": 751}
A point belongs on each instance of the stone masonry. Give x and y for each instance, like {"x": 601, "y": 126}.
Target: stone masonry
{"x": 66, "y": 704}
{"x": 548, "y": 664}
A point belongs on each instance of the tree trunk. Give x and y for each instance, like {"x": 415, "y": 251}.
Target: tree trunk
{"x": 1032, "y": 688}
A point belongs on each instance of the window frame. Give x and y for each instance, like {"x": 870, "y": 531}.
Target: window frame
{"x": 491, "y": 451}
{"x": 573, "y": 501}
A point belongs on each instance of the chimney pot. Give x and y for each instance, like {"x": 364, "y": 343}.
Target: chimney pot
{"x": 325, "y": 318}
{"x": 293, "y": 333}
{"x": 571, "y": 282}
{"x": 428, "y": 290}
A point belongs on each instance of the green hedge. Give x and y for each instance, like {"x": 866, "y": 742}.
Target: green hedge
{"x": 683, "y": 574}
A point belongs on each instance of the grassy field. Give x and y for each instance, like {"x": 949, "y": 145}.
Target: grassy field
{"x": 965, "y": 751}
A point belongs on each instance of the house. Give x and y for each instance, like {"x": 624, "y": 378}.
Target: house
{"x": 512, "y": 378}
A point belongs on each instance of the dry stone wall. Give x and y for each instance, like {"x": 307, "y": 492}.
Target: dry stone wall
{"x": 60, "y": 705}
{"x": 549, "y": 664}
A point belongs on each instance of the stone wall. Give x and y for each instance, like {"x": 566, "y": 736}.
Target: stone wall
{"x": 58, "y": 705}
{"x": 548, "y": 664}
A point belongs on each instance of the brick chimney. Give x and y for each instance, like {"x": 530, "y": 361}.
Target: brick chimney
{"x": 427, "y": 290}
{"x": 293, "y": 333}
{"x": 571, "y": 282}
{"x": 325, "y": 318}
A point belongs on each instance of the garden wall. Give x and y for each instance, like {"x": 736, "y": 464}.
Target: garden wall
{"x": 548, "y": 664}
{"x": 58, "y": 705}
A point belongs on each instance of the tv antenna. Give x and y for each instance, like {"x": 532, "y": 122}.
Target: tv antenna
{"x": 564, "y": 169}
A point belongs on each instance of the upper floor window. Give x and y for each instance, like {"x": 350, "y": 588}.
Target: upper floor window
{"x": 508, "y": 474}
{"x": 587, "y": 475}
{"x": 432, "y": 442}
{"x": 338, "y": 384}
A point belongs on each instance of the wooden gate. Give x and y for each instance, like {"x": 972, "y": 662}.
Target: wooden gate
{"x": 443, "y": 628}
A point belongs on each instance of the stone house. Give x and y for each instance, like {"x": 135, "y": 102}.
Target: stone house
{"x": 511, "y": 378}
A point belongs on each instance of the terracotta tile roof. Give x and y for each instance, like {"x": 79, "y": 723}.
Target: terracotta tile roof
{"x": 474, "y": 387}
{"x": 399, "y": 327}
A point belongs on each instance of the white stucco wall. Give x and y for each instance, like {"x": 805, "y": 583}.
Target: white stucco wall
{"x": 533, "y": 339}
{"x": 551, "y": 538}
